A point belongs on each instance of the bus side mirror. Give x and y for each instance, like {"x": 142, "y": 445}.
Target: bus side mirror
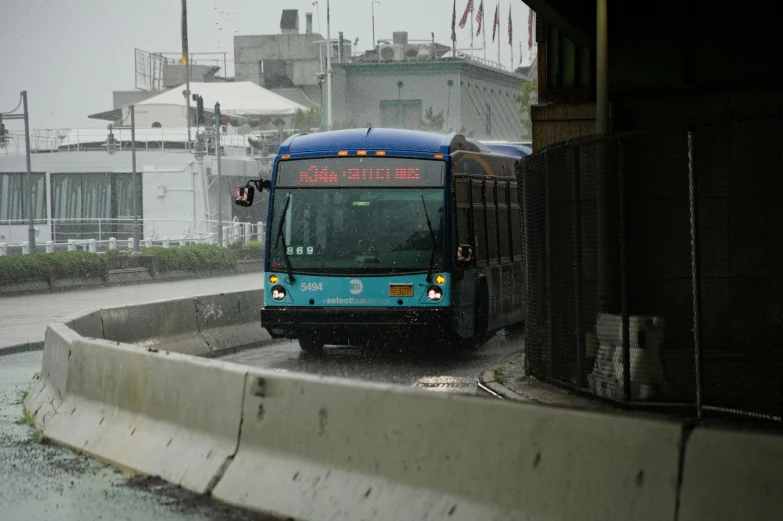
{"x": 464, "y": 255}
{"x": 244, "y": 195}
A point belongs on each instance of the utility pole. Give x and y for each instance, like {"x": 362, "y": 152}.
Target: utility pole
{"x": 218, "y": 122}
{"x": 136, "y": 237}
{"x": 329, "y": 70}
{"x": 31, "y": 227}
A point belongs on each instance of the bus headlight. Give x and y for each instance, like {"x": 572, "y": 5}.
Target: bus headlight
{"x": 278, "y": 293}
{"x": 434, "y": 293}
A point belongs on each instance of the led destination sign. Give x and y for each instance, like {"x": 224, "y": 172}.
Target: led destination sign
{"x": 359, "y": 171}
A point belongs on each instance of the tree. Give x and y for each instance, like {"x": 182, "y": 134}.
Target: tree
{"x": 527, "y": 97}
{"x": 431, "y": 121}
{"x": 305, "y": 120}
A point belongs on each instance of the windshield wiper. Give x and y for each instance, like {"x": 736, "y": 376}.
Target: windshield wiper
{"x": 281, "y": 237}
{"x": 434, "y": 244}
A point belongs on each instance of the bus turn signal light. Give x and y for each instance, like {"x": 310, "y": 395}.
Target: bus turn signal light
{"x": 440, "y": 279}
{"x": 273, "y": 279}
{"x": 361, "y": 152}
{"x": 342, "y": 153}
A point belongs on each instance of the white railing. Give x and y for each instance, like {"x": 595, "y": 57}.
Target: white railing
{"x": 102, "y": 234}
{"x": 147, "y": 139}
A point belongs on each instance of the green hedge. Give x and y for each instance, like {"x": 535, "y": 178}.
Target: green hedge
{"x": 81, "y": 264}
{"x": 253, "y": 250}
{"x": 41, "y": 267}
{"x": 193, "y": 257}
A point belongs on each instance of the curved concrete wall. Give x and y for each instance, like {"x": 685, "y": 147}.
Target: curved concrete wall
{"x": 203, "y": 326}
{"x": 314, "y": 448}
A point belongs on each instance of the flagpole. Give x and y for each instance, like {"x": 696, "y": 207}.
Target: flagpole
{"x": 484, "y": 29}
{"x": 471, "y": 34}
{"x": 510, "y": 38}
{"x": 497, "y": 18}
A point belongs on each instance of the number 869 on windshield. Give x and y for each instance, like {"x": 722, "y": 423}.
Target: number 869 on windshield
{"x": 299, "y": 250}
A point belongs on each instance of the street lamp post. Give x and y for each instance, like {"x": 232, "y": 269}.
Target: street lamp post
{"x": 218, "y": 121}
{"x": 31, "y": 227}
{"x": 29, "y": 177}
{"x": 111, "y": 149}
{"x": 329, "y": 70}
{"x": 136, "y": 238}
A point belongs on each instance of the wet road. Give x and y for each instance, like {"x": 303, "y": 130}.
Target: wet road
{"x": 438, "y": 371}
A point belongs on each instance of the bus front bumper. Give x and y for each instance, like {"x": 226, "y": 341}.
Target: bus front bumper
{"x": 338, "y": 324}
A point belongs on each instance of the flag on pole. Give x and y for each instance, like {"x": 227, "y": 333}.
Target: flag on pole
{"x": 454, "y": 23}
{"x": 184, "y": 33}
{"x": 531, "y": 22}
{"x": 480, "y": 17}
{"x": 496, "y": 23}
{"x": 464, "y": 20}
{"x": 509, "y": 26}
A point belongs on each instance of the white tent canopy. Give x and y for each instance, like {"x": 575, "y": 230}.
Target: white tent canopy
{"x": 242, "y": 98}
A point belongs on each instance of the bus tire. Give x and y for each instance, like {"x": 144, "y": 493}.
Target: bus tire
{"x": 311, "y": 344}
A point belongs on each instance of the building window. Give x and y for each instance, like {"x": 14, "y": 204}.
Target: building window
{"x": 14, "y": 199}
{"x": 401, "y": 114}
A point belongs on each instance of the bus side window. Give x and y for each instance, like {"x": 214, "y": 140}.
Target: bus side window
{"x": 490, "y": 198}
{"x": 480, "y": 251}
{"x": 516, "y": 221}
{"x": 504, "y": 230}
{"x": 463, "y": 224}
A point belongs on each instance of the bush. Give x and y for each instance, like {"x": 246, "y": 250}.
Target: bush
{"x": 193, "y": 257}
{"x": 42, "y": 267}
{"x": 251, "y": 251}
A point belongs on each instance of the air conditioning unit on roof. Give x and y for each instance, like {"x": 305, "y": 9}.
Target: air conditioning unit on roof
{"x": 391, "y": 52}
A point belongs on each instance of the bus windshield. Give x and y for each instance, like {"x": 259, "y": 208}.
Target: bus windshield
{"x": 349, "y": 230}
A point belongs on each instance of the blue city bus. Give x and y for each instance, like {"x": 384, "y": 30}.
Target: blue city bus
{"x": 391, "y": 236}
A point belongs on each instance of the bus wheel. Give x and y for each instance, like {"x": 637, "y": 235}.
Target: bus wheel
{"x": 311, "y": 344}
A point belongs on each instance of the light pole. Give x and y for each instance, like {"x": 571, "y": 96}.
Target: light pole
{"x": 29, "y": 177}
{"x": 329, "y": 70}
{"x": 111, "y": 149}
{"x": 136, "y": 238}
{"x": 373, "y": 25}
{"x": 218, "y": 121}
{"x": 31, "y": 227}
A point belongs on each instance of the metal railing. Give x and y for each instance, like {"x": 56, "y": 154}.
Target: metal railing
{"x": 102, "y": 234}
{"x": 654, "y": 269}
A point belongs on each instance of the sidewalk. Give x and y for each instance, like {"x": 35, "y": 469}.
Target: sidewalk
{"x": 508, "y": 381}
{"x": 23, "y": 319}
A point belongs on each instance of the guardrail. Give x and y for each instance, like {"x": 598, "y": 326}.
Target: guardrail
{"x": 316, "y": 448}
{"x": 100, "y": 229}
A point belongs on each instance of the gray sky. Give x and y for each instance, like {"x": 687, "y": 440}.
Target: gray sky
{"x": 70, "y": 54}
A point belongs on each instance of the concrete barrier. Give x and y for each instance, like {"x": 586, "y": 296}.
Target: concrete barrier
{"x": 46, "y": 395}
{"x": 159, "y": 413}
{"x": 322, "y": 449}
{"x": 230, "y": 320}
{"x": 314, "y": 448}
{"x": 732, "y": 475}
{"x": 88, "y": 325}
{"x": 169, "y": 325}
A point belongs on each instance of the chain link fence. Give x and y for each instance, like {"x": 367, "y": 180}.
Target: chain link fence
{"x": 654, "y": 271}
